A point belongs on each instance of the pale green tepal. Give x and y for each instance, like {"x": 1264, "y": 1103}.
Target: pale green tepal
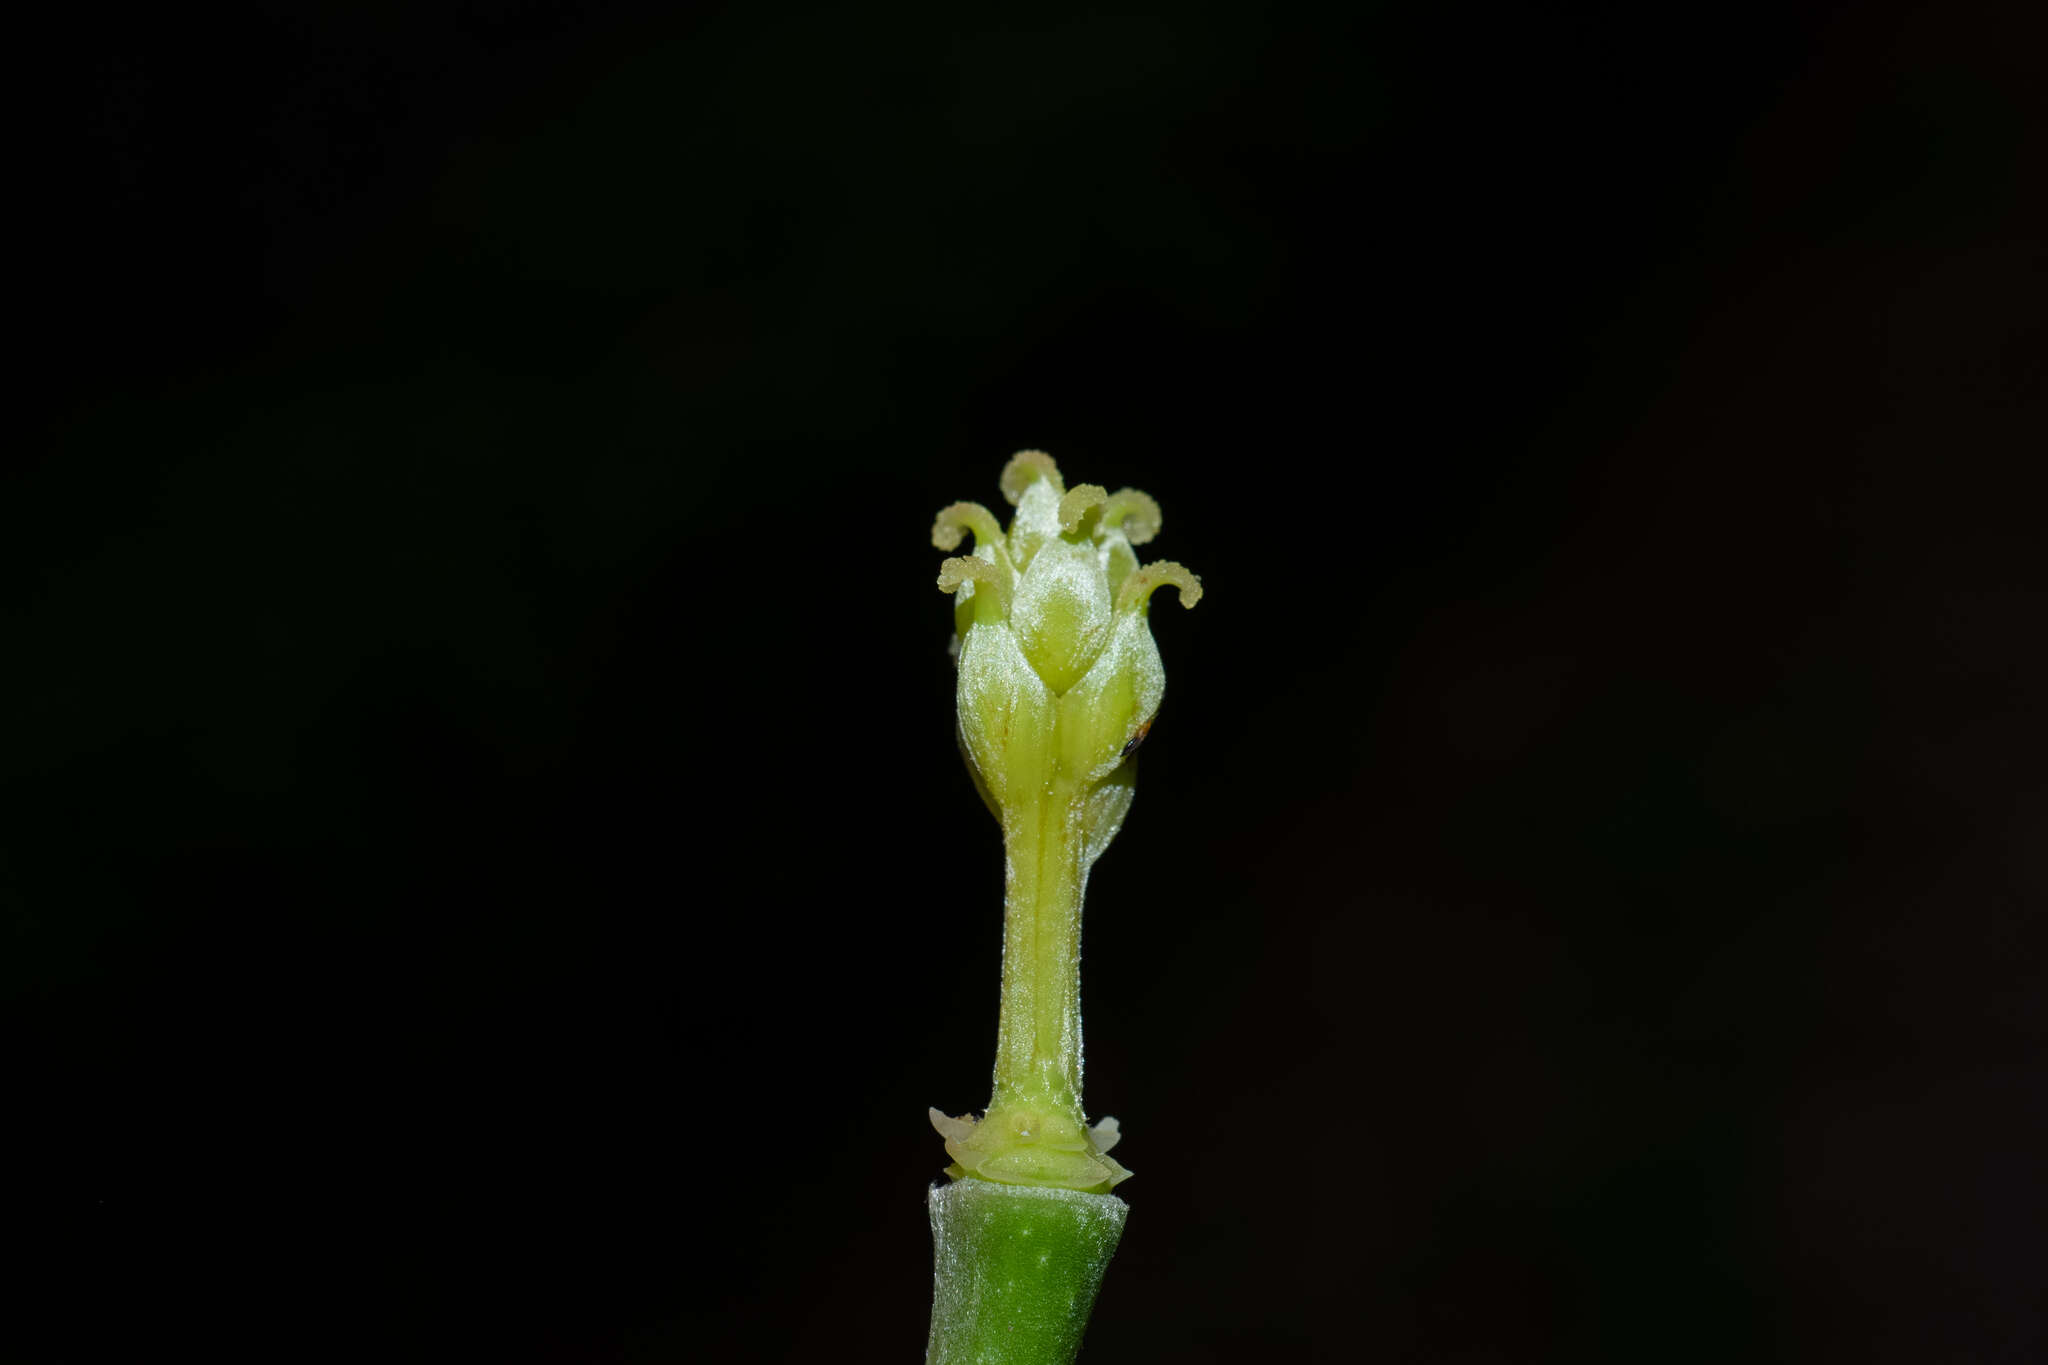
{"x": 1058, "y": 684}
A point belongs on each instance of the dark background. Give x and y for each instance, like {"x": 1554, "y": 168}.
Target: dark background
{"x": 481, "y": 823}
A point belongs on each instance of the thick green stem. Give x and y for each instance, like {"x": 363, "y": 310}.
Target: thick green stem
{"x": 1015, "y": 1271}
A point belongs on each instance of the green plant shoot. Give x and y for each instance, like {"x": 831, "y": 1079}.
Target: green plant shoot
{"x": 1058, "y": 682}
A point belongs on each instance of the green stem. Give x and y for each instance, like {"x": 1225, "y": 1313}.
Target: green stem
{"x": 1038, "y": 1038}
{"x": 1016, "y": 1271}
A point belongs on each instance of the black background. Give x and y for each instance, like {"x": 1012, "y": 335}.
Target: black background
{"x": 486, "y": 870}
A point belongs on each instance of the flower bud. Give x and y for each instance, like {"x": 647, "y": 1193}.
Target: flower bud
{"x": 1059, "y": 678}
{"x": 1058, "y": 683}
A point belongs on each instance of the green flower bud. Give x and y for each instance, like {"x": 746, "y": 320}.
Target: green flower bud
{"x": 1058, "y": 683}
